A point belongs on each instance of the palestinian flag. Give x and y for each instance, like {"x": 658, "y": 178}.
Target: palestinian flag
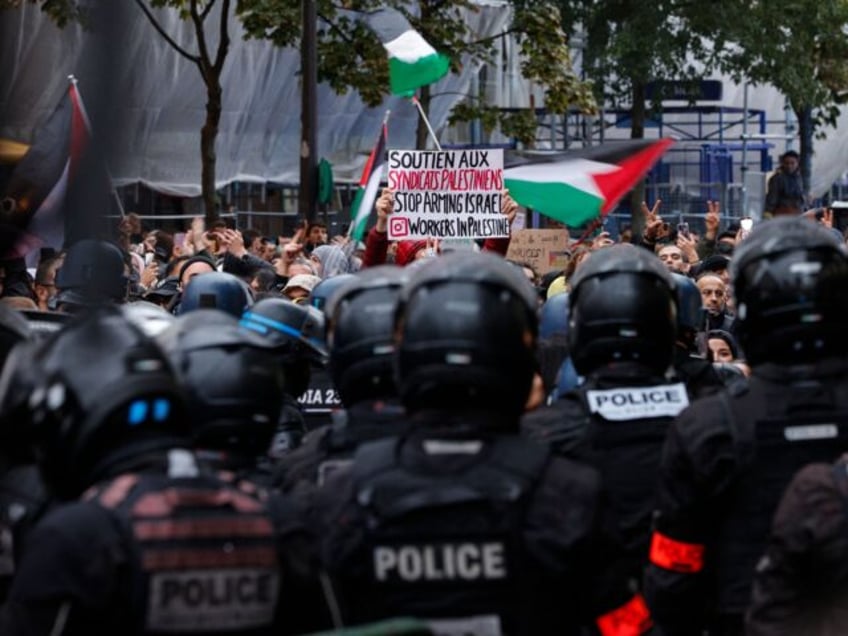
{"x": 413, "y": 63}
{"x": 578, "y": 187}
{"x": 32, "y": 210}
{"x": 369, "y": 184}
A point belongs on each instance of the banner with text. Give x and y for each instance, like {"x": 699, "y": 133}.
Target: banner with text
{"x": 449, "y": 194}
{"x": 545, "y": 250}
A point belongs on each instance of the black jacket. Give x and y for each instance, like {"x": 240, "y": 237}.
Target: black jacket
{"x": 147, "y": 552}
{"x": 455, "y": 520}
{"x": 617, "y": 421}
{"x": 331, "y": 448}
{"x": 726, "y": 461}
{"x": 801, "y": 585}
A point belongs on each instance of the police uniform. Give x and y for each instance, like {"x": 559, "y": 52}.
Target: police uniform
{"x": 297, "y": 333}
{"x": 616, "y": 421}
{"x": 621, "y": 336}
{"x": 150, "y": 552}
{"x": 726, "y": 463}
{"x": 141, "y": 540}
{"x": 235, "y": 390}
{"x": 460, "y": 521}
{"x": 331, "y": 448}
{"x": 801, "y": 584}
{"x": 475, "y": 534}
{"x": 729, "y": 457}
{"x": 360, "y": 315}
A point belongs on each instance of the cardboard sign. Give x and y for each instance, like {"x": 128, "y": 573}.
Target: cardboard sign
{"x": 450, "y": 194}
{"x": 545, "y": 250}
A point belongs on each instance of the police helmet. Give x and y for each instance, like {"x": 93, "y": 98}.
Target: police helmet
{"x": 466, "y": 327}
{"x": 789, "y": 279}
{"x": 360, "y": 333}
{"x": 216, "y": 290}
{"x": 92, "y": 273}
{"x": 152, "y": 319}
{"x": 326, "y": 288}
{"x": 691, "y": 315}
{"x": 623, "y": 308}
{"x": 553, "y": 318}
{"x": 297, "y": 330}
{"x": 233, "y": 382}
{"x": 102, "y": 392}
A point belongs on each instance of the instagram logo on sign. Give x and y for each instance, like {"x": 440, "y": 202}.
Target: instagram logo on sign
{"x": 398, "y": 227}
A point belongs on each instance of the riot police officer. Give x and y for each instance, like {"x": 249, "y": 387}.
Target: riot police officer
{"x": 621, "y": 337}
{"x": 92, "y": 273}
{"x": 801, "y": 583}
{"x": 361, "y": 340}
{"x": 21, "y": 491}
{"x": 215, "y": 290}
{"x": 234, "y": 387}
{"x": 297, "y": 332}
{"x": 460, "y": 521}
{"x": 729, "y": 457}
{"x": 147, "y": 542}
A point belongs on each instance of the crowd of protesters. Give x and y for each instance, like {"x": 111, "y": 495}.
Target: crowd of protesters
{"x": 201, "y": 435}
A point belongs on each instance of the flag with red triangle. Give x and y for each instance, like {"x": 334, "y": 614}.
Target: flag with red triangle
{"x": 578, "y": 187}
{"x": 369, "y": 185}
{"x": 32, "y": 207}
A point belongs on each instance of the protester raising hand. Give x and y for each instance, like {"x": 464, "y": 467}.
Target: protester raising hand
{"x": 655, "y": 227}
{"x": 384, "y": 207}
{"x": 509, "y": 206}
{"x": 688, "y": 246}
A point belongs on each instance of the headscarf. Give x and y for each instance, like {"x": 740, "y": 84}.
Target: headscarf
{"x": 333, "y": 260}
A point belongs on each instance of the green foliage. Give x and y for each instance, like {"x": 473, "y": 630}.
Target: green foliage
{"x": 629, "y": 43}
{"x": 62, "y": 12}
{"x": 799, "y": 46}
{"x": 350, "y": 57}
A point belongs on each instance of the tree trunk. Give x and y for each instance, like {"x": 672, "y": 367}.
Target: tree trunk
{"x": 208, "y": 135}
{"x": 637, "y": 131}
{"x": 421, "y": 132}
{"x": 805, "y": 134}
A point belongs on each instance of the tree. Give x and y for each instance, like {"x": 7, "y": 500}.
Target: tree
{"x": 629, "y": 43}
{"x": 351, "y": 57}
{"x": 60, "y": 11}
{"x": 211, "y": 65}
{"x": 800, "y": 47}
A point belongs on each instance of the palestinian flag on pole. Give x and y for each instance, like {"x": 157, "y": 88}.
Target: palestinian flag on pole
{"x": 369, "y": 184}
{"x": 578, "y": 187}
{"x": 413, "y": 63}
{"x": 32, "y": 210}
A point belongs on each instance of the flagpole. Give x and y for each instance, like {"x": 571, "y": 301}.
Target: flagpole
{"x": 426, "y": 122}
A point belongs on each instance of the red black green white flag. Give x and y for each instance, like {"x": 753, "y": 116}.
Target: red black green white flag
{"x": 32, "y": 211}
{"x": 578, "y": 187}
{"x": 369, "y": 185}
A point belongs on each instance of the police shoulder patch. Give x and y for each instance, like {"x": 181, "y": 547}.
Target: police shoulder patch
{"x": 634, "y": 403}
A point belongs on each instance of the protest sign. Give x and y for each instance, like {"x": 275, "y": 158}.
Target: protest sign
{"x": 545, "y": 250}
{"x": 450, "y": 194}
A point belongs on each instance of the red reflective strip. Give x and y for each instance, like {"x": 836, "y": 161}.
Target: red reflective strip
{"x": 218, "y": 527}
{"x": 631, "y": 619}
{"x": 184, "y": 559}
{"x": 676, "y": 555}
{"x": 163, "y": 503}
